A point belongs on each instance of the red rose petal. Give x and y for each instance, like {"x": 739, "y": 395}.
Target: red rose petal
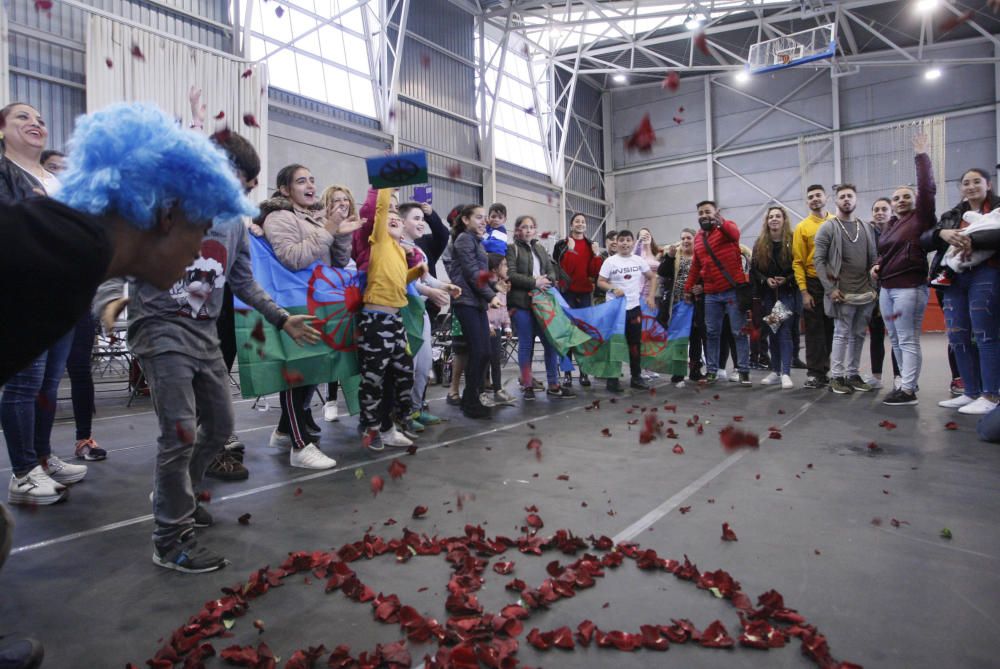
{"x": 292, "y": 377}
{"x": 244, "y": 519}
{"x": 536, "y": 445}
{"x": 643, "y": 137}
{"x": 887, "y": 424}
{"x": 137, "y": 52}
{"x": 678, "y": 449}
{"x": 250, "y": 120}
{"x": 109, "y": 63}
{"x": 951, "y": 425}
{"x": 455, "y": 171}
{"x": 221, "y": 115}
{"x": 563, "y": 477}
{"x": 733, "y": 438}
{"x": 279, "y": 11}
{"x": 247, "y": 73}
{"x": 186, "y": 436}
{"x": 684, "y": 509}
{"x": 678, "y": 120}
{"x": 535, "y": 521}
{"x": 606, "y": 432}
{"x": 727, "y": 533}
{"x": 716, "y": 636}
{"x": 701, "y": 42}
{"x": 377, "y": 484}
{"x": 396, "y": 469}
{"x": 298, "y": 492}
{"x": 419, "y": 511}
{"x": 671, "y": 82}
{"x": 204, "y": 496}
{"x": 954, "y": 21}
{"x": 258, "y": 331}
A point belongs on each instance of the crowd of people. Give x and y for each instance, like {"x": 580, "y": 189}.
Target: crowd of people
{"x": 167, "y": 209}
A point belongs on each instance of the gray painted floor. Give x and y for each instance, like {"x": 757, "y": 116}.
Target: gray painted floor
{"x": 81, "y": 579}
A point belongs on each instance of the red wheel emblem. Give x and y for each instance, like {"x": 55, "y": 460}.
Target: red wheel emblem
{"x": 654, "y": 337}
{"x": 589, "y": 348}
{"x": 334, "y": 296}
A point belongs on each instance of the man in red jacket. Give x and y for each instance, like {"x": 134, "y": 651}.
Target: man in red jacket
{"x": 580, "y": 260}
{"x": 721, "y": 238}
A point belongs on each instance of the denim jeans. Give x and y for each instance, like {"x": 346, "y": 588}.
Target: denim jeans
{"x": 780, "y": 342}
{"x": 903, "y": 313}
{"x": 422, "y": 362}
{"x": 718, "y": 305}
{"x": 849, "y": 329}
{"x": 28, "y": 407}
{"x": 528, "y": 328}
{"x": 195, "y": 415}
{"x": 972, "y": 309}
{"x": 476, "y": 329}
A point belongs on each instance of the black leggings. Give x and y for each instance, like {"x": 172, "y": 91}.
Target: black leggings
{"x": 877, "y": 327}
{"x": 81, "y": 376}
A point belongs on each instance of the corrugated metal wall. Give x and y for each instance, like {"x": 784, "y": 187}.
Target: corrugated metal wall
{"x": 46, "y": 48}
{"x": 584, "y": 160}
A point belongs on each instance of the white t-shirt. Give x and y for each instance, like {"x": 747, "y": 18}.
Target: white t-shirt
{"x": 625, "y": 272}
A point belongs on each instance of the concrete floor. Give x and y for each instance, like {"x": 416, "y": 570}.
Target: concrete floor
{"x": 80, "y": 577}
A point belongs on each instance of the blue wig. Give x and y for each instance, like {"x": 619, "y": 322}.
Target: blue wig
{"x": 132, "y": 160}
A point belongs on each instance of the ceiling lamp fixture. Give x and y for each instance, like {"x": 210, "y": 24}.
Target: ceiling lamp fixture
{"x": 742, "y": 76}
{"x": 926, "y": 6}
{"x": 932, "y": 73}
{"x": 693, "y": 22}
{"x": 619, "y": 78}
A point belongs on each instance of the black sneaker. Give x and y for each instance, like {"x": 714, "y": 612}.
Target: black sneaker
{"x": 202, "y": 518}
{"x": 476, "y": 410}
{"x": 21, "y": 654}
{"x": 839, "y": 385}
{"x": 638, "y": 383}
{"x": 711, "y": 377}
{"x": 560, "y": 392}
{"x": 899, "y": 398}
{"x": 798, "y": 364}
{"x": 227, "y": 466}
{"x": 745, "y": 379}
{"x": 814, "y": 382}
{"x": 186, "y": 556}
{"x": 584, "y": 380}
{"x": 695, "y": 375}
{"x": 568, "y": 380}
{"x": 528, "y": 394}
{"x": 614, "y": 386}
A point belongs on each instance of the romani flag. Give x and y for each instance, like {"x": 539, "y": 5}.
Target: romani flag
{"x": 270, "y": 361}
{"x": 598, "y": 335}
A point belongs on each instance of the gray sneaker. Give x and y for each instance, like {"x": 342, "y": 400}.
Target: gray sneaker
{"x": 186, "y": 556}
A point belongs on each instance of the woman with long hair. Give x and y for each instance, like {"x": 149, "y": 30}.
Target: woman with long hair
{"x": 530, "y": 267}
{"x": 467, "y": 266}
{"x": 28, "y": 405}
{"x": 673, "y": 269}
{"x": 881, "y": 214}
{"x": 337, "y": 200}
{"x": 300, "y": 235}
{"x": 975, "y": 286}
{"x": 773, "y": 279}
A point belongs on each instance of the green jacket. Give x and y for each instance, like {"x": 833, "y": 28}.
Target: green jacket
{"x": 520, "y": 271}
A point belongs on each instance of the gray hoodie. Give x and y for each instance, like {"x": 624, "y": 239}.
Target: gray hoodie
{"x": 182, "y": 319}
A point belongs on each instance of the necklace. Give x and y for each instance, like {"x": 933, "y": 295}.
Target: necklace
{"x": 857, "y": 230}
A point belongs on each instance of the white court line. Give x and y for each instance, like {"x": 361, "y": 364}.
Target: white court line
{"x": 290, "y": 482}
{"x": 677, "y": 499}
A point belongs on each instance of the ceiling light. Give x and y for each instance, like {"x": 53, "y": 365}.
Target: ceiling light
{"x": 742, "y": 77}
{"x": 693, "y": 23}
{"x": 932, "y": 73}
{"x": 925, "y": 6}
{"x": 619, "y": 78}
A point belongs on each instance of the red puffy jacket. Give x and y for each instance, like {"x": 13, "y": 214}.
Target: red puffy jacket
{"x": 725, "y": 241}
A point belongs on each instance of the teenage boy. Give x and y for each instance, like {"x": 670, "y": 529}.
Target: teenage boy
{"x": 843, "y": 255}
{"x": 819, "y": 327}
{"x": 580, "y": 261}
{"x": 621, "y": 275}
{"x": 174, "y": 336}
{"x": 433, "y": 291}
{"x": 495, "y": 240}
{"x": 717, "y": 265}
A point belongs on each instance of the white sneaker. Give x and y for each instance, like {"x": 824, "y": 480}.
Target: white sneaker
{"x": 35, "y": 487}
{"x": 63, "y": 472}
{"x": 280, "y": 440}
{"x": 680, "y": 384}
{"x": 486, "y": 400}
{"x": 786, "y": 382}
{"x": 980, "y": 407}
{"x": 721, "y": 375}
{"x": 310, "y": 457}
{"x": 393, "y": 437}
{"x": 330, "y": 413}
{"x": 956, "y": 402}
{"x": 770, "y": 380}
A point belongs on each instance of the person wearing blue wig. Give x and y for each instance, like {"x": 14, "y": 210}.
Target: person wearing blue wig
{"x": 137, "y": 199}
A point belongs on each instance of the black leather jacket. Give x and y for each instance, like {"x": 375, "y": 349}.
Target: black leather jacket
{"x": 951, "y": 220}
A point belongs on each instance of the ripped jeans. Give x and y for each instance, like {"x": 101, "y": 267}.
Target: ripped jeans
{"x": 972, "y": 310}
